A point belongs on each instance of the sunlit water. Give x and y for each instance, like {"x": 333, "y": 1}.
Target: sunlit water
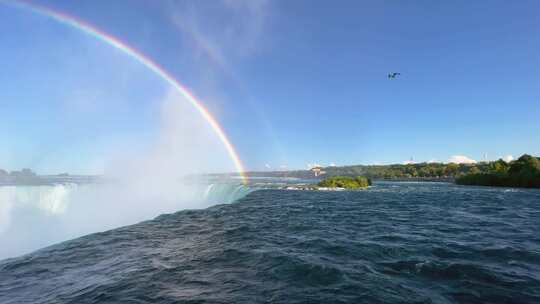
{"x": 392, "y": 243}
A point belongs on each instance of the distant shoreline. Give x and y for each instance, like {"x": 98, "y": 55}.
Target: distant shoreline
{"x": 523, "y": 172}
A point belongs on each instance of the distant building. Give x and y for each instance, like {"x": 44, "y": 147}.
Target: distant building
{"x": 24, "y": 173}
{"x": 317, "y": 170}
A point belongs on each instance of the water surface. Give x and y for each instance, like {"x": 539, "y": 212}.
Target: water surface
{"x": 392, "y": 243}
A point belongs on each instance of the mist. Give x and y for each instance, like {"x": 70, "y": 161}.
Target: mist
{"x": 145, "y": 177}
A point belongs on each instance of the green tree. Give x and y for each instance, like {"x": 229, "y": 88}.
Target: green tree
{"x": 474, "y": 170}
{"x": 346, "y": 182}
{"x": 499, "y": 166}
{"x": 525, "y": 164}
{"x": 451, "y": 169}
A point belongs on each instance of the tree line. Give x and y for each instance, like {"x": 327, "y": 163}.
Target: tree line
{"x": 523, "y": 172}
{"x": 411, "y": 171}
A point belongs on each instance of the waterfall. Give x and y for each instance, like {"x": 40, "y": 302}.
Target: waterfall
{"x": 225, "y": 193}
{"x": 50, "y": 199}
{"x": 32, "y": 217}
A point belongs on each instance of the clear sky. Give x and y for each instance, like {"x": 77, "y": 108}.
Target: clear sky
{"x": 291, "y": 82}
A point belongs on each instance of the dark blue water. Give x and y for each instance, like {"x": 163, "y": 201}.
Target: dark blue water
{"x": 393, "y": 243}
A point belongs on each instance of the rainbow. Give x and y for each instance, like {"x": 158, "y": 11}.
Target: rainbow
{"x": 93, "y": 31}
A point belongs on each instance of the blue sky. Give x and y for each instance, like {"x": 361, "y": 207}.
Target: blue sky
{"x": 292, "y": 82}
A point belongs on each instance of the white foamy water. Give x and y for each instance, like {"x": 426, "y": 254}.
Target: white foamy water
{"x": 32, "y": 217}
{"x": 50, "y": 199}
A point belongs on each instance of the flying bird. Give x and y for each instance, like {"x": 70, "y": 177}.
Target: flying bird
{"x": 393, "y": 75}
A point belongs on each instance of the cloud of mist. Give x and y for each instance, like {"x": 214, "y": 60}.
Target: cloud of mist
{"x": 5, "y": 211}
{"x": 144, "y": 180}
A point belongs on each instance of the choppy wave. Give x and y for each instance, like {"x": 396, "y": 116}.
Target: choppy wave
{"x": 414, "y": 243}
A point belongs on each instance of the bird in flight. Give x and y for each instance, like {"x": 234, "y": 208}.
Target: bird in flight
{"x": 393, "y": 75}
